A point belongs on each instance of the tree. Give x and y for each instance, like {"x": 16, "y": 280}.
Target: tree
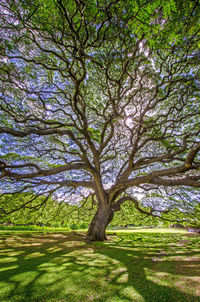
{"x": 51, "y": 213}
{"x": 100, "y": 99}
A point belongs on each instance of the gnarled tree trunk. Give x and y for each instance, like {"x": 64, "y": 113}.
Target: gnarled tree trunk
{"x": 101, "y": 219}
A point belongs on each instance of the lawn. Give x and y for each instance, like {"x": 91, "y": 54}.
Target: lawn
{"x": 143, "y": 265}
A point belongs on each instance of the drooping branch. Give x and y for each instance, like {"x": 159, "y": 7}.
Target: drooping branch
{"x": 116, "y": 207}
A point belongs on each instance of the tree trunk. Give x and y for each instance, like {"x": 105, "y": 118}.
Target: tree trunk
{"x": 97, "y": 228}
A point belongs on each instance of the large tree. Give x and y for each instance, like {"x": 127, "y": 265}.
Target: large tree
{"x": 100, "y": 99}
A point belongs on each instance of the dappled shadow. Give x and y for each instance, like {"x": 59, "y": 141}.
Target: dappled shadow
{"x": 151, "y": 262}
{"x": 26, "y": 258}
{"x": 61, "y": 267}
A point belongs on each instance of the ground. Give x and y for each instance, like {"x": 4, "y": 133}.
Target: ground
{"x": 143, "y": 265}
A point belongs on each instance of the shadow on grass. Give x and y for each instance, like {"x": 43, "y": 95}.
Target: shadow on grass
{"x": 136, "y": 267}
{"x": 151, "y": 263}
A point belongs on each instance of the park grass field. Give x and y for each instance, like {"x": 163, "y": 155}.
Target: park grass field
{"x": 142, "y": 265}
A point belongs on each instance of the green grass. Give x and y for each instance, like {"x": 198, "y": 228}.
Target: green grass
{"x": 152, "y": 230}
{"x": 143, "y": 265}
{"x": 32, "y": 228}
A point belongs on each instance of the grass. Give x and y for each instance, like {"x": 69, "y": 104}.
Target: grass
{"x": 32, "y": 228}
{"x": 151, "y": 230}
{"x": 146, "y": 265}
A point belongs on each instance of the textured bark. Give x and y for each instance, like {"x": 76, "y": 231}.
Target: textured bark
{"x": 97, "y": 228}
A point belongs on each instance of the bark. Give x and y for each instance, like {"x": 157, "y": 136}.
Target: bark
{"x": 97, "y": 228}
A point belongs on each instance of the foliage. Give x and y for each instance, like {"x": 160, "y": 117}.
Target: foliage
{"x": 55, "y": 214}
{"x": 128, "y": 215}
{"x": 31, "y": 228}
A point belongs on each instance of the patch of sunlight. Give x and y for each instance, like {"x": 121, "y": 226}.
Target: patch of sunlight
{"x": 161, "y": 278}
{"x": 119, "y": 271}
{"x": 189, "y": 285}
{"x": 46, "y": 265}
{"x": 53, "y": 269}
{"x": 75, "y": 253}
{"x": 84, "y": 261}
{"x": 11, "y": 239}
{"x": 115, "y": 261}
{"x": 61, "y": 260}
{"x": 151, "y": 230}
{"x": 15, "y": 253}
{"x": 89, "y": 254}
{"x": 131, "y": 255}
{"x": 131, "y": 293}
{"x": 5, "y": 251}
{"x": 22, "y": 245}
{"x": 24, "y": 278}
{"x": 123, "y": 278}
{"x": 34, "y": 255}
{"x": 8, "y": 259}
{"x": 86, "y": 254}
{"x": 196, "y": 251}
{"x": 97, "y": 261}
{"x": 54, "y": 249}
{"x": 66, "y": 264}
{"x": 48, "y": 278}
{"x": 6, "y": 288}
{"x": 34, "y": 244}
{"x": 8, "y": 268}
{"x": 72, "y": 243}
{"x": 93, "y": 296}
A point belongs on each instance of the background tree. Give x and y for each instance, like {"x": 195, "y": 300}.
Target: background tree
{"x": 100, "y": 99}
{"x": 52, "y": 213}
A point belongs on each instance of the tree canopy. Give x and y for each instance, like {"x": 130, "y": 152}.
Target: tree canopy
{"x": 100, "y": 100}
